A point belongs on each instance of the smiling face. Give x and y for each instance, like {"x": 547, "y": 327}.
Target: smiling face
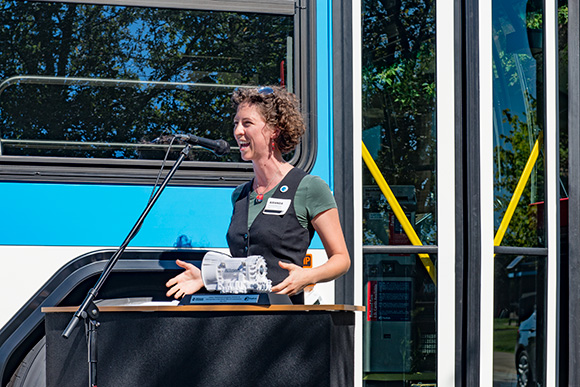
{"x": 252, "y": 133}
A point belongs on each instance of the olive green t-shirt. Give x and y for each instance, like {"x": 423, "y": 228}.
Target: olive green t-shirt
{"x": 313, "y": 197}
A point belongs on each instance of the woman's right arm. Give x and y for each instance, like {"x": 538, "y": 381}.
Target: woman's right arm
{"x": 188, "y": 282}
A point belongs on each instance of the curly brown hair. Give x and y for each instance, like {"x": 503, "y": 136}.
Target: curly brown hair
{"x": 279, "y": 108}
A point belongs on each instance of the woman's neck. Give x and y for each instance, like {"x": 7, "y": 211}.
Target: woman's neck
{"x": 270, "y": 171}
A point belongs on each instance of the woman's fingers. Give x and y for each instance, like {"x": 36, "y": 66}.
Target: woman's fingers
{"x": 172, "y": 291}
{"x": 281, "y": 287}
{"x": 171, "y": 282}
{"x": 183, "y": 264}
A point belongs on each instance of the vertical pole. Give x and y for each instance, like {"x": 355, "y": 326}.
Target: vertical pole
{"x": 552, "y": 182}
{"x": 486, "y": 209}
{"x": 91, "y": 329}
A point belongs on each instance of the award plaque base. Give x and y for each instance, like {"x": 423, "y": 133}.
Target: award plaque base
{"x": 236, "y": 299}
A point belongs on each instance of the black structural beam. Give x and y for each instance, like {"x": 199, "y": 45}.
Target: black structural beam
{"x": 342, "y": 58}
{"x": 469, "y": 239}
{"x": 574, "y": 194}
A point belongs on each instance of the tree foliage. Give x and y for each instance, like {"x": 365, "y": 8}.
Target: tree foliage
{"x": 526, "y": 225}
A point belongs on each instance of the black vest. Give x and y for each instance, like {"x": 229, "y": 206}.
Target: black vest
{"x": 275, "y": 237}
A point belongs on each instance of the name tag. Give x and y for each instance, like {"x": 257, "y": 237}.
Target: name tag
{"x": 276, "y": 206}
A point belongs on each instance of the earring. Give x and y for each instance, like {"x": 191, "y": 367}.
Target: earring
{"x": 273, "y": 145}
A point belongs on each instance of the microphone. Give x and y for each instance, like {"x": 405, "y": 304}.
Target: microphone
{"x": 219, "y": 147}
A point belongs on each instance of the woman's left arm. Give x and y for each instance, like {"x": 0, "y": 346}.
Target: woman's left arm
{"x": 327, "y": 225}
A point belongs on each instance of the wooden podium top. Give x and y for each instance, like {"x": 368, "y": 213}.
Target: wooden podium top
{"x": 169, "y": 307}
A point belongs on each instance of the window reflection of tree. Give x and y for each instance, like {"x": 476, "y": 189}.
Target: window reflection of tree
{"x": 129, "y": 43}
{"x": 518, "y": 121}
{"x": 399, "y": 98}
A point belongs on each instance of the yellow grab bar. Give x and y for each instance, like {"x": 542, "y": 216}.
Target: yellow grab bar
{"x": 518, "y": 192}
{"x": 398, "y": 211}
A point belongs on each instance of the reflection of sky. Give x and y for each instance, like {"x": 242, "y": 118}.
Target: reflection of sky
{"x": 515, "y": 67}
{"x": 132, "y": 64}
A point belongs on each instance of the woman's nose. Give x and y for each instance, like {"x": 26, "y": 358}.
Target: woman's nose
{"x": 238, "y": 129}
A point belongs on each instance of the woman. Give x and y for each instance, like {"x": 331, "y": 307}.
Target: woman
{"x": 276, "y": 213}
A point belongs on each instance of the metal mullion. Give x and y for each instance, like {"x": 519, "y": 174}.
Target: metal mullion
{"x": 460, "y": 179}
{"x": 400, "y": 249}
{"x": 470, "y": 261}
{"x": 342, "y": 130}
{"x": 513, "y": 250}
{"x": 446, "y": 200}
{"x": 357, "y": 165}
{"x": 486, "y": 194}
{"x": 573, "y": 273}
{"x": 552, "y": 187}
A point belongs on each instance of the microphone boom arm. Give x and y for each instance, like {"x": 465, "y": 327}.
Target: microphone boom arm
{"x": 92, "y": 294}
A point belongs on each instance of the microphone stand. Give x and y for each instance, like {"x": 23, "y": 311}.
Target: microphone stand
{"x": 88, "y": 311}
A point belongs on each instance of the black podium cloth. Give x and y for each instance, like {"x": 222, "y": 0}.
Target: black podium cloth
{"x": 305, "y": 348}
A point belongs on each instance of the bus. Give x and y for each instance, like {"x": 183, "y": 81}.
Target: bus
{"x": 94, "y": 94}
{"x": 436, "y": 124}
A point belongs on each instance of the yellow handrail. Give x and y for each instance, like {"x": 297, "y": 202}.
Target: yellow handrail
{"x": 410, "y": 232}
{"x": 518, "y": 192}
{"x": 398, "y": 211}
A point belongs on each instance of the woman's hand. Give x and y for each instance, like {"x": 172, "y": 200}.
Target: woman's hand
{"x": 188, "y": 282}
{"x": 298, "y": 278}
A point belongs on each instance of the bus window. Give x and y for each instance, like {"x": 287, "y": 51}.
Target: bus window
{"x": 115, "y": 82}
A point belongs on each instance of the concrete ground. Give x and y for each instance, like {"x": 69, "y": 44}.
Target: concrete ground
{"x": 504, "y": 369}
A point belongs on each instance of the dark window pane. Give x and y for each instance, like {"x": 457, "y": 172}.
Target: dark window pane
{"x": 400, "y": 329}
{"x": 519, "y": 338}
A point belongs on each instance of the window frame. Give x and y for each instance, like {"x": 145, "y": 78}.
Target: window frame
{"x": 206, "y": 173}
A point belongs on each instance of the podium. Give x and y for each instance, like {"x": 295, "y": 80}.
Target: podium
{"x": 206, "y": 345}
